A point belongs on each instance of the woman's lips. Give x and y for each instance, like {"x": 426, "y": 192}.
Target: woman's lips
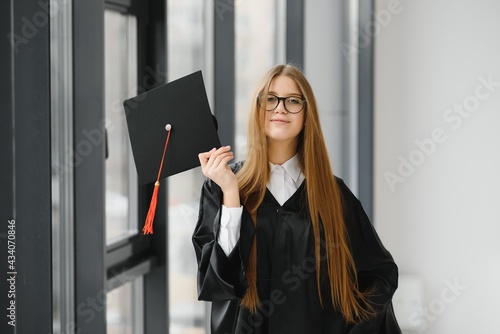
{"x": 278, "y": 120}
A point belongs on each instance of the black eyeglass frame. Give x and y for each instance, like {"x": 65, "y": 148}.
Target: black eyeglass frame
{"x": 304, "y": 101}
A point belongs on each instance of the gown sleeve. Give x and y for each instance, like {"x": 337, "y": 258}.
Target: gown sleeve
{"x": 220, "y": 276}
{"x": 375, "y": 267}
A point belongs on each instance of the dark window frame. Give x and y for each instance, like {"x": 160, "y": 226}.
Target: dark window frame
{"x": 295, "y": 32}
{"x": 26, "y": 166}
{"x": 365, "y": 111}
{"x": 100, "y": 267}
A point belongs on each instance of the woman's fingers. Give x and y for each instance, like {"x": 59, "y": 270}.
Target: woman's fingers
{"x": 215, "y": 160}
{"x": 225, "y": 161}
{"x": 204, "y": 156}
{"x": 215, "y": 154}
{"x": 214, "y": 165}
{"x": 218, "y": 160}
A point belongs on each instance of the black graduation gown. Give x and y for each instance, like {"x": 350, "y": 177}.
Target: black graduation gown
{"x": 286, "y": 268}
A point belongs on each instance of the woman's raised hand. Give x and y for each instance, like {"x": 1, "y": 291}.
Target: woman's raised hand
{"x": 214, "y": 166}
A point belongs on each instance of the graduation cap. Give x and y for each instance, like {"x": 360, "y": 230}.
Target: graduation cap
{"x": 168, "y": 127}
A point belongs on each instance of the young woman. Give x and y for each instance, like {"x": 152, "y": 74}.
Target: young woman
{"x": 283, "y": 246}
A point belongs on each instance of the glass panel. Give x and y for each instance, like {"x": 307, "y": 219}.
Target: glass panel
{"x": 258, "y": 48}
{"x": 61, "y": 68}
{"x": 120, "y": 83}
{"x": 185, "y": 55}
{"x": 123, "y": 305}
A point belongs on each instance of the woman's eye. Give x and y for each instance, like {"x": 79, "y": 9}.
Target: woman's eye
{"x": 293, "y": 100}
{"x": 271, "y": 99}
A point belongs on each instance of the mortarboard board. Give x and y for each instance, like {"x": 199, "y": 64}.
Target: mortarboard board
{"x": 182, "y": 104}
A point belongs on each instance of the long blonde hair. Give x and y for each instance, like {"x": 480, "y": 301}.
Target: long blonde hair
{"x": 323, "y": 198}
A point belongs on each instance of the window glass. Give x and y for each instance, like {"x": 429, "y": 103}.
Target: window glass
{"x": 258, "y": 46}
{"x": 120, "y": 83}
{"x": 185, "y": 55}
{"x": 123, "y": 305}
{"x": 61, "y": 104}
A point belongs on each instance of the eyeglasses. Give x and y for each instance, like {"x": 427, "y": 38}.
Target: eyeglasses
{"x": 293, "y": 104}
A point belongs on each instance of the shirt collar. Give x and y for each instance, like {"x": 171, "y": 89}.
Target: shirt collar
{"x": 291, "y": 167}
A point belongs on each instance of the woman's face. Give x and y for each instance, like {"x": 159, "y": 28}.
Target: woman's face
{"x": 282, "y": 126}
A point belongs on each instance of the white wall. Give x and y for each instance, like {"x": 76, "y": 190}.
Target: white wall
{"x": 443, "y": 221}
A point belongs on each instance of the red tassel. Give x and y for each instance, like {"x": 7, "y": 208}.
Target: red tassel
{"x": 148, "y": 225}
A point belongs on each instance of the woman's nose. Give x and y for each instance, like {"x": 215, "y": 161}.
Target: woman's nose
{"x": 280, "y": 108}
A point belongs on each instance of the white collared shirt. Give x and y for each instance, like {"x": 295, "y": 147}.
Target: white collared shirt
{"x": 284, "y": 181}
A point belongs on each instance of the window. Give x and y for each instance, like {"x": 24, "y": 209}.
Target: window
{"x": 124, "y": 303}
{"x": 123, "y": 306}
{"x": 186, "y": 51}
{"x": 120, "y": 83}
{"x": 259, "y": 45}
